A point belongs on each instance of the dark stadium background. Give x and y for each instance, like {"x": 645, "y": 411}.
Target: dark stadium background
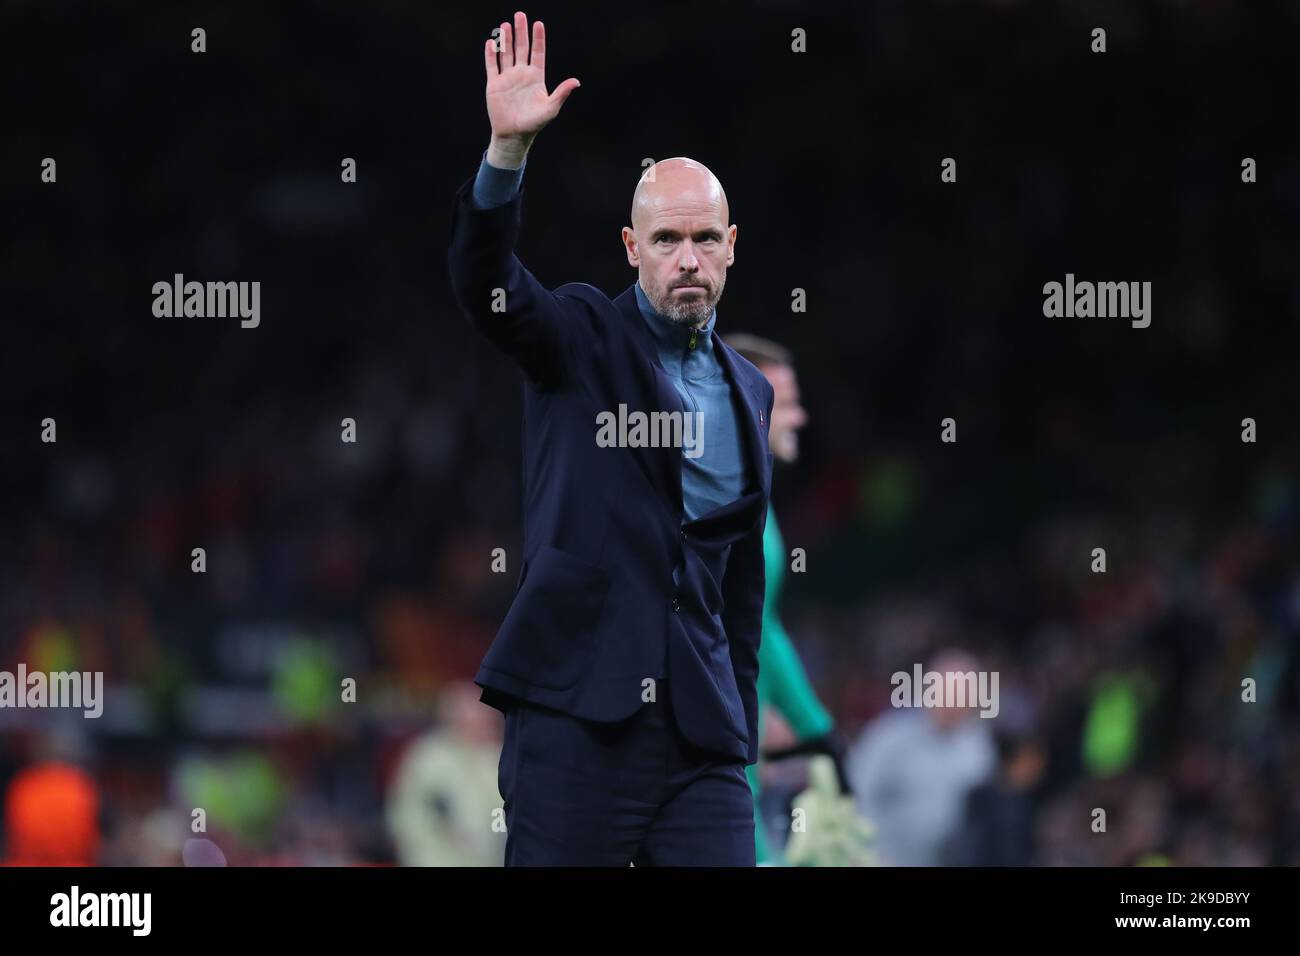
{"x": 371, "y": 560}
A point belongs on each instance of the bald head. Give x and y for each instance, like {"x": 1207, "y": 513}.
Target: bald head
{"x": 676, "y": 181}
{"x": 680, "y": 240}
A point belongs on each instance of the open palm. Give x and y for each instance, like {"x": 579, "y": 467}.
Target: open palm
{"x": 517, "y": 102}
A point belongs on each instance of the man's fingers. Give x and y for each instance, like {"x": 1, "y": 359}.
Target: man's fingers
{"x": 521, "y": 39}
{"x": 507, "y": 46}
{"x": 539, "y": 46}
{"x": 490, "y": 58}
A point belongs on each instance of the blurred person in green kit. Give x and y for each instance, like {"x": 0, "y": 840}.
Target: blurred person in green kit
{"x": 782, "y": 681}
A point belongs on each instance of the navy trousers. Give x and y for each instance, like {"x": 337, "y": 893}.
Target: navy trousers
{"x": 579, "y": 793}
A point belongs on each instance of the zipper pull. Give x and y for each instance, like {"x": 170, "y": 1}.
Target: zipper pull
{"x": 691, "y": 343}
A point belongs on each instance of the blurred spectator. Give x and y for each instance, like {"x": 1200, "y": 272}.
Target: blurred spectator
{"x": 913, "y": 768}
{"x": 443, "y": 807}
{"x": 51, "y": 816}
{"x": 997, "y": 827}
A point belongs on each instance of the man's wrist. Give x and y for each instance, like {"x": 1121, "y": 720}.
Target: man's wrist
{"x": 507, "y": 153}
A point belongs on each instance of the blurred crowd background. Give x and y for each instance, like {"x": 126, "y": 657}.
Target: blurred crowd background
{"x": 372, "y": 560}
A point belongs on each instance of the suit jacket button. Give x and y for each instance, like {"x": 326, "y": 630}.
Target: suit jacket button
{"x": 677, "y": 604}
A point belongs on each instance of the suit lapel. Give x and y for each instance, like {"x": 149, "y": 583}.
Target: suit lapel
{"x": 752, "y": 423}
{"x": 664, "y": 463}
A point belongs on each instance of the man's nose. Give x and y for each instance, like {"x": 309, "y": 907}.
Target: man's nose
{"x": 688, "y": 262}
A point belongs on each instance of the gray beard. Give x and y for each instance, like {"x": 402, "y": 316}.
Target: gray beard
{"x": 689, "y": 314}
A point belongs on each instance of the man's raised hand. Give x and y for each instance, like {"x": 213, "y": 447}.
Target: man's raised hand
{"x": 517, "y": 102}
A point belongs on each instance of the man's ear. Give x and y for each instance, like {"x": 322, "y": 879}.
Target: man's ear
{"x": 629, "y": 243}
{"x": 731, "y": 245}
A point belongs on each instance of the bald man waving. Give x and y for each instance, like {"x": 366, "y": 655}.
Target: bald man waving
{"x": 628, "y": 661}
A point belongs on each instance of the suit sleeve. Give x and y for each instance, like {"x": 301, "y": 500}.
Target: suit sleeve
{"x": 524, "y": 319}
{"x": 742, "y": 593}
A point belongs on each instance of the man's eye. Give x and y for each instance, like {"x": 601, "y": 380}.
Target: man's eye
{"x": 664, "y": 239}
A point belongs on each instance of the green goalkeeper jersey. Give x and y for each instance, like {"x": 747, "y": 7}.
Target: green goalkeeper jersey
{"x": 782, "y": 682}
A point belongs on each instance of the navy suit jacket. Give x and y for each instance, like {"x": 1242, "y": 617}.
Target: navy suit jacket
{"x": 603, "y": 527}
